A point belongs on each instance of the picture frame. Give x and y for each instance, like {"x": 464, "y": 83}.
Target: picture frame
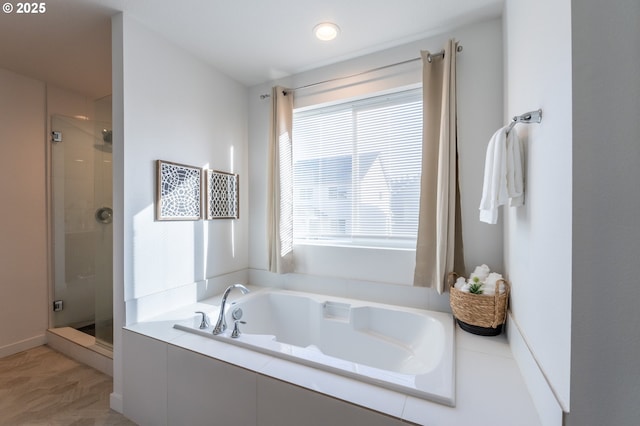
{"x": 222, "y": 195}
{"x": 178, "y": 191}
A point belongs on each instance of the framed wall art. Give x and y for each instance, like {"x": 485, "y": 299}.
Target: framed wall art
{"x": 221, "y": 195}
{"x": 178, "y": 191}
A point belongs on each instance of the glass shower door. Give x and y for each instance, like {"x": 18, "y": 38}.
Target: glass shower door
{"x": 82, "y": 229}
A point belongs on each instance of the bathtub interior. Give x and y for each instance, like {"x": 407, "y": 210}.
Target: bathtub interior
{"x": 407, "y": 350}
{"x": 393, "y": 340}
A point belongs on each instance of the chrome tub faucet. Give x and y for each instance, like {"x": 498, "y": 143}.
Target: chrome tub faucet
{"x": 221, "y": 324}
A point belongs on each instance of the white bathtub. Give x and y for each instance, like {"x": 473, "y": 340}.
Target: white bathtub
{"x": 404, "y": 349}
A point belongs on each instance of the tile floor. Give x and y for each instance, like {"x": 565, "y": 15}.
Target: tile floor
{"x": 43, "y": 387}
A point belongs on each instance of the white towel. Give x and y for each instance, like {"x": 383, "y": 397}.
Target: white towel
{"x": 489, "y": 286}
{"x": 515, "y": 164}
{"x": 460, "y": 282}
{"x": 503, "y": 179}
{"x": 482, "y": 272}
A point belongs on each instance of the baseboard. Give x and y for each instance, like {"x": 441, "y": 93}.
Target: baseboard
{"x": 115, "y": 402}
{"x": 544, "y": 399}
{"x": 22, "y": 345}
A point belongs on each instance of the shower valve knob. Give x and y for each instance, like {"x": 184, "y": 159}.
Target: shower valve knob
{"x": 104, "y": 215}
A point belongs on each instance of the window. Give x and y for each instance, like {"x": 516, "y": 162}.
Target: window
{"x": 356, "y": 172}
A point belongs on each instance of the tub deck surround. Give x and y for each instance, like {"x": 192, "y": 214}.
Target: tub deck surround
{"x": 408, "y": 350}
{"x": 488, "y": 385}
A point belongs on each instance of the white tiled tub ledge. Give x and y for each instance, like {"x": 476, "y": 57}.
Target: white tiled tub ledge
{"x": 487, "y": 387}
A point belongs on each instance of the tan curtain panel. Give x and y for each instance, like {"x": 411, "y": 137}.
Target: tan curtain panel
{"x": 280, "y": 196}
{"x": 439, "y": 242}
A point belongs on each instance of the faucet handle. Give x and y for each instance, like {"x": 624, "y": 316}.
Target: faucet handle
{"x": 204, "y": 322}
{"x": 236, "y": 329}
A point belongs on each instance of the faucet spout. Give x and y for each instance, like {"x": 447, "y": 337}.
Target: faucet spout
{"x": 221, "y": 324}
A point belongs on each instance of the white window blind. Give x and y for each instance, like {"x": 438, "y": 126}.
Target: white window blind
{"x": 357, "y": 171}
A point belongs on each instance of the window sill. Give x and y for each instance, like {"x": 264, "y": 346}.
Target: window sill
{"x": 353, "y": 245}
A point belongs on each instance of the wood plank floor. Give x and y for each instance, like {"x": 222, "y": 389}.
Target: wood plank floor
{"x": 43, "y": 387}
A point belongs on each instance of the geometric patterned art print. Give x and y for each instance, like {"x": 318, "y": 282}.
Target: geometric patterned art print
{"x": 179, "y": 193}
{"x": 222, "y": 195}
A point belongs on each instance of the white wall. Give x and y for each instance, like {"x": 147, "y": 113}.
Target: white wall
{"x": 380, "y": 274}
{"x": 168, "y": 105}
{"x": 538, "y": 235}
{"x": 23, "y": 236}
{"x": 605, "y": 343}
{"x": 177, "y": 109}
{"x": 571, "y": 253}
{"x": 26, "y": 107}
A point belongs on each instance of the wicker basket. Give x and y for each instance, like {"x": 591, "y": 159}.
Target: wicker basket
{"x": 478, "y": 314}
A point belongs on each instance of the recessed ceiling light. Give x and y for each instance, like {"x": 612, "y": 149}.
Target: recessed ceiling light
{"x": 326, "y": 31}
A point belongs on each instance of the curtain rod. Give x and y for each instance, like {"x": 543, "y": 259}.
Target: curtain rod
{"x": 430, "y": 57}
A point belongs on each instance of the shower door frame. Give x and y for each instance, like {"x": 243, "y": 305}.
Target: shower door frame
{"x": 51, "y": 220}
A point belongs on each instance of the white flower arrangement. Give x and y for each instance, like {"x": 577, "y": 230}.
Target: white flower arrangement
{"x": 481, "y": 281}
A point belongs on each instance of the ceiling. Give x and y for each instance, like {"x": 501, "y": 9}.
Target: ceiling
{"x": 252, "y": 41}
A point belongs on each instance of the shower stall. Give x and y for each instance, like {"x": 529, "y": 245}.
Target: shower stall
{"x": 82, "y": 232}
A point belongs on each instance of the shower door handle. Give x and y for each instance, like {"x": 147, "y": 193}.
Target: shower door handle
{"x": 104, "y": 215}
